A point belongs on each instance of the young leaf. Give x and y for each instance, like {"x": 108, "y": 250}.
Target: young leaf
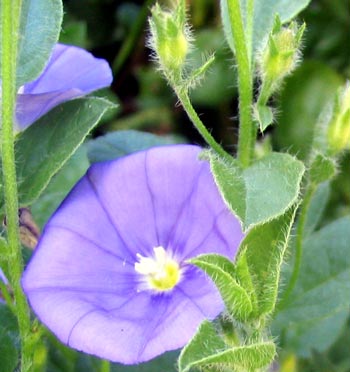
{"x": 322, "y": 169}
{"x": 262, "y": 252}
{"x": 222, "y": 271}
{"x": 206, "y": 342}
{"x": 261, "y": 192}
{"x": 264, "y": 116}
{"x": 318, "y": 308}
{"x": 207, "y": 348}
{"x": 55, "y": 137}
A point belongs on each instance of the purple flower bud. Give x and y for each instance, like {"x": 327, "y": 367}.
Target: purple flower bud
{"x": 70, "y": 73}
{"x": 110, "y": 275}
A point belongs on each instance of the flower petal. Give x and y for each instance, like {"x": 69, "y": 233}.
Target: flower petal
{"x": 70, "y": 73}
{"x": 71, "y": 67}
{"x": 30, "y": 107}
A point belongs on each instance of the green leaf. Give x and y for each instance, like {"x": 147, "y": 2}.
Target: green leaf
{"x": 39, "y": 30}
{"x": 8, "y": 340}
{"x": 261, "y": 192}
{"x": 322, "y": 169}
{"x": 117, "y": 144}
{"x": 45, "y": 146}
{"x": 261, "y": 253}
{"x": 8, "y": 352}
{"x": 263, "y": 17}
{"x": 60, "y": 185}
{"x": 222, "y": 271}
{"x": 317, "y": 207}
{"x": 317, "y": 310}
{"x": 207, "y": 348}
{"x": 206, "y": 342}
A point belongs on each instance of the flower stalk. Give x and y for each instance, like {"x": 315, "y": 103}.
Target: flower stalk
{"x": 197, "y": 122}
{"x": 10, "y": 18}
{"x": 247, "y": 130}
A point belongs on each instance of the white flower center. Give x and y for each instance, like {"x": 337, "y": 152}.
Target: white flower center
{"x": 161, "y": 271}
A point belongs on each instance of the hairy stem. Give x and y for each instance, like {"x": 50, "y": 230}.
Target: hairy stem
{"x": 247, "y": 130}
{"x": 10, "y": 18}
{"x": 186, "y": 103}
{"x": 298, "y": 244}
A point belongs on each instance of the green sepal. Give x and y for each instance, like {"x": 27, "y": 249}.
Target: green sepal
{"x": 222, "y": 272}
{"x": 251, "y": 193}
{"x": 260, "y": 260}
{"x": 322, "y": 169}
{"x": 44, "y": 147}
{"x": 208, "y": 349}
{"x": 198, "y": 73}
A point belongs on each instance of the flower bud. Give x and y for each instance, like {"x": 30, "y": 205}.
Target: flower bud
{"x": 170, "y": 37}
{"x": 339, "y": 126}
{"x": 281, "y": 53}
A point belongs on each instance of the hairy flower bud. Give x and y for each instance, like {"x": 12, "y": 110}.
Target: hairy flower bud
{"x": 281, "y": 53}
{"x": 170, "y": 37}
{"x": 339, "y": 126}
{"x": 277, "y": 59}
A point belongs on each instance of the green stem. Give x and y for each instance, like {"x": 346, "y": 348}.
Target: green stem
{"x": 105, "y": 366}
{"x": 10, "y": 16}
{"x": 311, "y": 188}
{"x": 186, "y": 103}
{"x": 265, "y": 93}
{"x": 247, "y": 130}
{"x": 249, "y": 29}
{"x": 131, "y": 39}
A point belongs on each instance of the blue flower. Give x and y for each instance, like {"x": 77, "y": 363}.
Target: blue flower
{"x": 110, "y": 275}
{"x": 70, "y": 73}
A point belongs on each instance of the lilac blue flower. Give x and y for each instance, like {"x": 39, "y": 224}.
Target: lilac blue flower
{"x": 71, "y": 72}
{"x": 110, "y": 275}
